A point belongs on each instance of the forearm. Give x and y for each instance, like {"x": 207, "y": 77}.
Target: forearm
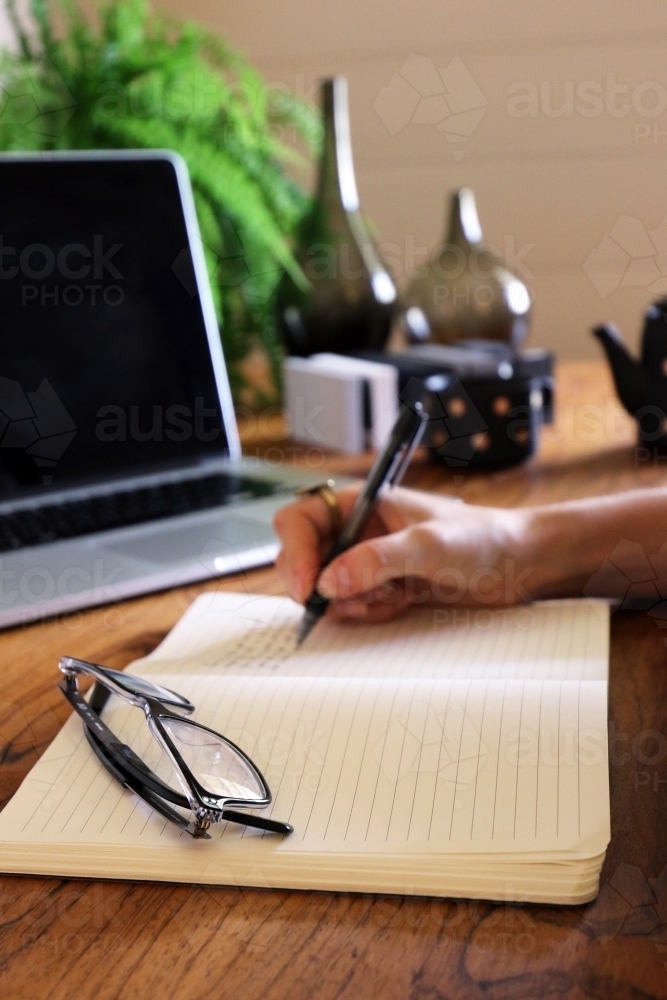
{"x": 596, "y": 546}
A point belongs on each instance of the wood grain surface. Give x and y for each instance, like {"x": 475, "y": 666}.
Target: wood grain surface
{"x": 64, "y": 938}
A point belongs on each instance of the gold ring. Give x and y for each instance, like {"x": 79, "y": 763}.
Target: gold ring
{"x": 326, "y": 491}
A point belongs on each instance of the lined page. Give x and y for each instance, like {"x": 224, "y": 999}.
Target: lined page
{"x": 236, "y": 633}
{"x": 399, "y": 766}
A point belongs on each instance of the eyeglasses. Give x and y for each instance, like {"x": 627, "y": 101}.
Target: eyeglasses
{"x": 212, "y": 772}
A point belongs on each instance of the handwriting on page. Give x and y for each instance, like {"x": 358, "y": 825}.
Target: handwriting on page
{"x": 544, "y": 641}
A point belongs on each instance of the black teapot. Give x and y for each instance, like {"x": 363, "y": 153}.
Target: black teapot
{"x": 642, "y": 385}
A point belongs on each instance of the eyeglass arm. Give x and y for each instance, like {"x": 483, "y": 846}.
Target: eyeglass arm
{"x": 258, "y": 822}
{"x": 123, "y": 756}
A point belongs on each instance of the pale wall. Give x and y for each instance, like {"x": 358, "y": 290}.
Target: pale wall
{"x": 553, "y": 188}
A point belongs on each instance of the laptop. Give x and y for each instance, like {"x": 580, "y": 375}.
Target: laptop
{"x": 120, "y": 465}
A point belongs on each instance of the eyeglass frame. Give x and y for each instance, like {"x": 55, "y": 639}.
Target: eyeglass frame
{"x": 131, "y": 771}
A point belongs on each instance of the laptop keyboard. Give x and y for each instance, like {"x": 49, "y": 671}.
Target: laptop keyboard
{"x": 55, "y": 522}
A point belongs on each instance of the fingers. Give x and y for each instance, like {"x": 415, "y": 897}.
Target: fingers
{"x": 381, "y": 605}
{"x": 369, "y": 565}
{"x": 392, "y": 546}
{"x": 304, "y": 529}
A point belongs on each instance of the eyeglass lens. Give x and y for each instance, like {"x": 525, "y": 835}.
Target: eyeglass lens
{"x": 213, "y": 762}
{"x": 137, "y": 685}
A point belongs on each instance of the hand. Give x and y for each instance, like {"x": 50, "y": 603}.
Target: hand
{"x": 417, "y": 548}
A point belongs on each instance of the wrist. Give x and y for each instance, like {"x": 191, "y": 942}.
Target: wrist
{"x": 560, "y": 549}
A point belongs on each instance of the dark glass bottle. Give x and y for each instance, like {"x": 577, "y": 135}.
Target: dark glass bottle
{"x": 349, "y": 299}
{"x": 465, "y": 291}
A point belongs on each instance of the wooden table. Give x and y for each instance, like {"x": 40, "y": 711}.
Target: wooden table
{"x": 74, "y": 939}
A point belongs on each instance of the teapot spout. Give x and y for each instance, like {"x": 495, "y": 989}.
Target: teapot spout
{"x": 633, "y": 384}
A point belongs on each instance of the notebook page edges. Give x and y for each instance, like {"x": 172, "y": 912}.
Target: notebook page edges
{"x": 401, "y": 767}
{"x": 549, "y": 640}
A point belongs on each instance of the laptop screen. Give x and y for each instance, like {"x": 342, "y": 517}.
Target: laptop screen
{"x": 105, "y": 370}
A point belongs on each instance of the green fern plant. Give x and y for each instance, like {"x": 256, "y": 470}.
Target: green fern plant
{"x": 129, "y": 78}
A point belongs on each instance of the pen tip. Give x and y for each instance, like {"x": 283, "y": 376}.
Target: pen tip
{"x": 305, "y": 627}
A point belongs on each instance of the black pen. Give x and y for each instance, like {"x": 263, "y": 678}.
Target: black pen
{"x": 388, "y": 468}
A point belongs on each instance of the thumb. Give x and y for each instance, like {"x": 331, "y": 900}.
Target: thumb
{"x": 367, "y": 566}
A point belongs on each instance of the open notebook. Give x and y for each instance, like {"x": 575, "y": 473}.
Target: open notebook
{"x": 447, "y": 753}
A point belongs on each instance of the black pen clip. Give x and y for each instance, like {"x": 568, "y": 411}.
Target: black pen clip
{"x": 410, "y": 447}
